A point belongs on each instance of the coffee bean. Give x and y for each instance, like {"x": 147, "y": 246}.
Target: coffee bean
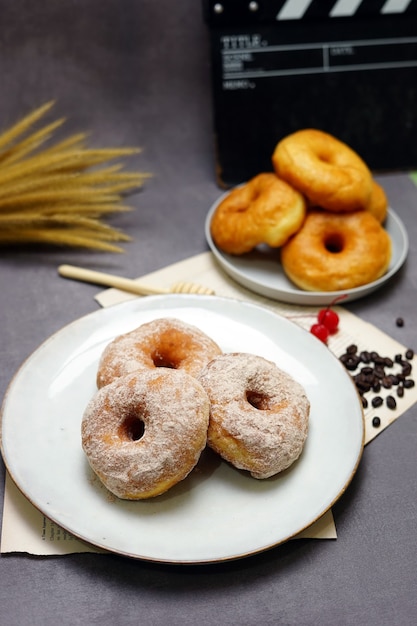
{"x": 376, "y": 422}
{"x": 377, "y": 401}
{"x": 362, "y": 386}
{"x": 400, "y": 322}
{"x": 380, "y": 361}
{"x": 409, "y": 383}
{"x": 352, "y": 349}
{"x": 365, "y": 357}
{"x": 350, "y": 361}
{"x": 406, "y": 369}
{"x": 409, "y": 354}
{"x": 391, "y": 403}
{"x": 379, "y": 372}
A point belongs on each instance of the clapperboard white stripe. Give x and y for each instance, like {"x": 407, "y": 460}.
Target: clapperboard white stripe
{"x": 296, "y": 9}
{"x": 342, "y": 8}
{"x": 395, "y": 6}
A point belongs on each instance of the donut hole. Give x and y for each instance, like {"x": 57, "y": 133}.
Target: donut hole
{"x": 132, "y": 428}
{"x": 325, "y": 157}
{"x": 257, "y": 400}
{"x": 334, "y": 242}
{"x": 164, "y": 359}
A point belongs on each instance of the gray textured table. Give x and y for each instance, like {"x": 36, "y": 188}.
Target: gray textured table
{"x": 137, "y": 73}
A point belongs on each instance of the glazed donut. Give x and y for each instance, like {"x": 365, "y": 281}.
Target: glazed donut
{"x": 264, "y": 210}
{"x": 378, "y": 202}
{"x": 164, "y": 342}
{"x": 329, "y": 173}
{"x": 258, "y": 413}
{"x": 144, "y": 432}
{"x": 333, "y": 252}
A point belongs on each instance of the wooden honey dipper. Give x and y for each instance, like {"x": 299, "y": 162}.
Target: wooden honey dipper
{"x": 128, "y": 284}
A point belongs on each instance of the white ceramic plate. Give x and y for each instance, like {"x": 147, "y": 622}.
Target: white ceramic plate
{"x": 217, "y": 513}
{"x": 261, "y": 270}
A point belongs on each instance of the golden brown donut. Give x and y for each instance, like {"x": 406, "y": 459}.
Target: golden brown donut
{"x": 264, "y": 210}
{"x": 327, "y": 171}
{"x": 164, "y": 342}
{"x": 144, "y": 432}
{"x": 258, "y": 413}
{"x": 334, "y": 252}
{"x": 378, "y": 202}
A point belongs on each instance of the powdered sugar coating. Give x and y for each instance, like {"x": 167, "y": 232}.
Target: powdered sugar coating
{"x": 164, "y": 342}
{"x": 259, "y": 414}
{"x": 170, "y": 406}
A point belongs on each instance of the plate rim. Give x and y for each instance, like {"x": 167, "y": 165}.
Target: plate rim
{"x": 296, "y": 295}
{"x": 195, "y": 300}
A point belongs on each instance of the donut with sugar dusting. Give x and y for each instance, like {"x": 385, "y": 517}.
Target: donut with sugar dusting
{"x": 164, "y": 342}
{"x": 258, "y": 414}
{"x": 144, "y": 432}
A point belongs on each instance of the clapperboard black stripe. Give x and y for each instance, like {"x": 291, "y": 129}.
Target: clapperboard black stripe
{"x": 372, "y": 7}
{"x": 303, "y": 9}
{"x": 317, "y": 10}
{"x": 332, "y": 9}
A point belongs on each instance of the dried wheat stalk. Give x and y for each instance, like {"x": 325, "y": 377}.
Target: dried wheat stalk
{"x": 51, "y": 194}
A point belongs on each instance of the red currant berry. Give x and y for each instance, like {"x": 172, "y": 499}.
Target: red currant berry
{"x": 320, "y": 331}
{"x": 329, "y": 319}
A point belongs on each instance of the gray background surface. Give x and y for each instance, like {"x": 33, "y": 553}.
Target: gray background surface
{"x": 138, "y": 73}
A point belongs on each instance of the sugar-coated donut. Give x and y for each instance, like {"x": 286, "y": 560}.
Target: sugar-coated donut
{"x": 144, "y": 432}
{"x": 334, "y": 252}
{"x": 327, "y": 171}
{"x": 164, "y": 342}
{"x": 258, "y": 413}
{"x": 378, "y": 202}
{"x": 265, "y": 210}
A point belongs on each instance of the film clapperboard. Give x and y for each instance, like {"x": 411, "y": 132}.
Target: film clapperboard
{"x": 348, "y": 67}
